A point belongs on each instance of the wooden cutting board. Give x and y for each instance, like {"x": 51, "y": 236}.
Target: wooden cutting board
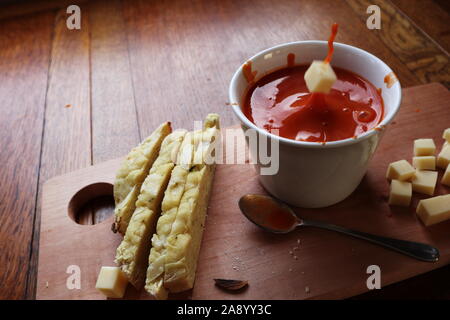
{"x": 305, "y": 264}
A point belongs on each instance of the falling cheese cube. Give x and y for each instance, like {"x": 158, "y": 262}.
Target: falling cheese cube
{"x": 434, "y": 210}
{"x": 112, "y": 282}
{"x": 424, "y": 182}
{"x": 425, "y": 163}
{"x": 400, "y": 170}
{"x": 446, "y": 135}
{"x": 446, "y": 177}
{"x": 320, "y": 77}
{"x": 401, "y": 193}
{"x": 424, "y": 147}
{"x": 443, "y": 158}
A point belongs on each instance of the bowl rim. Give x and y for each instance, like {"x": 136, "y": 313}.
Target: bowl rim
{"x": 332, "y": 144}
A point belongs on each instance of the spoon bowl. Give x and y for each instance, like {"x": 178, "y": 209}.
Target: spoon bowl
{"x": 268, "y": 213}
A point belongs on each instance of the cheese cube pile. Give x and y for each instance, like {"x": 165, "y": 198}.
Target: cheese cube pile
{"x": 422, "y": 179}
{"x": 320, "y": 77}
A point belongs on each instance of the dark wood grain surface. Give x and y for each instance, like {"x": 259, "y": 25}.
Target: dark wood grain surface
{"x": 71, "y": 98}
{"x": 24, "y": 58}
{"x": 435, "y": 22}
{"x": 413, "y": 47}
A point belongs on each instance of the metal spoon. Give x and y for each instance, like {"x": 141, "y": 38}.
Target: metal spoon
{"x": 277, "y": 217}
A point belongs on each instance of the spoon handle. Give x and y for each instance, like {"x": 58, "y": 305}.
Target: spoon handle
{"x": 420, "y": 251}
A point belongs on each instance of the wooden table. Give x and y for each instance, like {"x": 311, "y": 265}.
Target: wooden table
{"x": 72, "y": 98}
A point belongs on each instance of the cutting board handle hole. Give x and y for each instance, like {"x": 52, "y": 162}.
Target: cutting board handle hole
{"x": 92, "y": 204}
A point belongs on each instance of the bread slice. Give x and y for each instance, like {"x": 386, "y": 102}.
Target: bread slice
{"x": 132, "y": 253}
{"x": 183, "y": 244}
{"x": 176, "y": 245}
{"x": 172, "y": 197}
{"x": 186, "y": 177}
{"x": 184, "y": 241}
{"x": 132, "y": 173}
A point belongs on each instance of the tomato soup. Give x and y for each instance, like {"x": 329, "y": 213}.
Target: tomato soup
{"x": 281, "y": 101}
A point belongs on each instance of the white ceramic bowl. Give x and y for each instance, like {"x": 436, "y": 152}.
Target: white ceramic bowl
{"x": 311, "y": 174}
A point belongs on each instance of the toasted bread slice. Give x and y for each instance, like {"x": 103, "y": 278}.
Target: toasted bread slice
{"x": 184, "y": 241}
{"x": 132, "y": 253}
{"x": 183, "y": 244}
{"x": 132, "y": 173}
{"x": 190, "y": 174}
{"x": 172, "y": 197}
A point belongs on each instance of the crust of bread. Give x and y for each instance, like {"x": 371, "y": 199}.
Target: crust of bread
{"x": 131, "y": 174}
{"x": 132, "y": 253}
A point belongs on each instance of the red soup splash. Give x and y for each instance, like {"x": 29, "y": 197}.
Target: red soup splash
{"x": 281, "y": 100}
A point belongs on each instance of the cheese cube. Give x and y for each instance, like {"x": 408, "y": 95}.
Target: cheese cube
{"x": 446, "y": 177}
{"x": 320, "y": 77}
{"x": 446, "y": 135}
{"x": 112, "y": 282}
{"x": 424, "y": 147}
{"x": 443, "y": 158}
{"x": 434, "y": 210}
{"x": 425, "y": 162}
{"x": 400, "y": 170}
{"x": 401, "y": 193}
{"x": 424, "y": 182}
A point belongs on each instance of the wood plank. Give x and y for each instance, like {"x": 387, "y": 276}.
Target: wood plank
{"x": 331, "y": 265}
{"x": 67, "y": 136}
{"x": 183, "y": 57}
{"x": 21, "y": 8}
{"x": 409, "y": 43}
{"x": 24, "y": 60}
{"x": 114, "y": 124}
{"x": 429, "y": 16}
{"x": 47, "y": 284}
{"x": 67, "y": 132}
